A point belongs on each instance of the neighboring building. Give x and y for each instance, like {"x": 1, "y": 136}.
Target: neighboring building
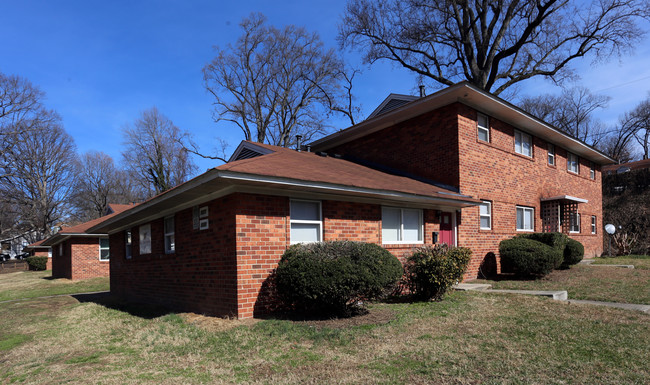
{"x": 37, "y": 249}
{"x": 78, "y": 254}
{"x": 460, "y": 166}
{"x": 626, "y": 167}
{"x": 12, "y": 248}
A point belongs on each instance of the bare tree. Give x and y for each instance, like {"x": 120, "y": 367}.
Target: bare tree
{"x": 275, "y": 83}
{"x": 99, "y": 183}
{"x": 638, "y": 121}
{"x": 155, "y": 152}
{"x": 41, "y": 178}
{"x": 491, "y": 44}
{"x": 572, "y": 112}
{"x": 21, "y": 110}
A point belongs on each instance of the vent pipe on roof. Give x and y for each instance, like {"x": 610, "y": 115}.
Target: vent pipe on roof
{"x": 298, "y": 142}
{"x": 422, "y": 93}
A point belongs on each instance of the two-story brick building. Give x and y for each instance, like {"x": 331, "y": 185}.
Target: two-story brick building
{"x": 459, "y": 166}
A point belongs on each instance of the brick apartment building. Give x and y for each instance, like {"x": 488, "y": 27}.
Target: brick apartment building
{"x": 460, "y": 166}
{"x": 37, "y": 249}
{"x": 78, "y": 254}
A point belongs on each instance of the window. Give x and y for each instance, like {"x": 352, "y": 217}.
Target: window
{"x": 592, "y": 170}
{"x": 401, "y": 225}
{"x": 483, "y": 128}
{"x": 144, "y": 236}
{"x": 525, "y": 218}
{"x": 170, "y": 246}
{"x": 104, "y": 251}
{"x": 574, "y": 223}
{"x": 572, "y": 163}
{"x": 60, "y": 249}
{"x": 551, "y": 154}
{"x": 127, "y": 242}
{"x": 593, "y": 224}
{"x": 306, "y": 223}
{"x": 523, "y": 144}
{"x": 485, "y": 211}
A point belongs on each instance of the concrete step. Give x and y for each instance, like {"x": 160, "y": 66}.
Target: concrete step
{"x": 558, "y": 295}
{"x": 472, "y": 286}
{"x": 622, "y": 266}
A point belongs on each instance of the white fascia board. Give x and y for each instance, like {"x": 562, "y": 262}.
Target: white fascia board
{"x": 340, "y": 188}
{"x": 565, "y": 197}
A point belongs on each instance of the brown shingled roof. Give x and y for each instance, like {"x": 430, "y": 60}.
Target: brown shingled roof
{"x": 82, "y": 227}
{"x": 638, "y": 165}
{"x": 308, "y": 166}
{"x": 35, "y": 244}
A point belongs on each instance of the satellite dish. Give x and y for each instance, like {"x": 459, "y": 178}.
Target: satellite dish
{"x": 610, "y": 228}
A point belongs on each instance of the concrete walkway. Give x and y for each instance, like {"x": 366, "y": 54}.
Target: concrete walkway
{"x": 54, "y": 296}
{"x": 558, "y": 295}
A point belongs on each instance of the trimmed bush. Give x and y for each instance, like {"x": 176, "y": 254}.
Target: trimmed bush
{"x": 432, "y": 270}
{"x": 573, "y": 253}
{"x": 528, "y": 257}
{"x": 330, "y": 278}
{"x": 37, "y": 263}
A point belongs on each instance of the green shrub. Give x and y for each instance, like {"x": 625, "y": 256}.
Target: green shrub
{"x": 528, "y": 257}
{"x": 556, "y": 240}
{"x": 432, "y": 270}
{"x": 330, "y": 278}
{"x": 573, "y": 253}
{"x": 37, "y": 263}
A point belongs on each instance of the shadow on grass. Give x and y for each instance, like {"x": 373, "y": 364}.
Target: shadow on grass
{"x": 146, "y": 311}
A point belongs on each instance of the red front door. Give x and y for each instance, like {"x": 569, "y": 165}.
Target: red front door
{"x": 446, "y": 229}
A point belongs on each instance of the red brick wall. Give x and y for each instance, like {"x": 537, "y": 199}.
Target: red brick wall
{"x": 425, "y": 146}
{"x": 443, "y": 146}
{"x": 199, "y": 276}
{"x": 85, "y": 258}
{"x": 493, "y": 171}
{"x": 61, "y": 263}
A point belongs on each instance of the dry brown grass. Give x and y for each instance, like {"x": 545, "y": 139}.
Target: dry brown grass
{"x": 468, "y": 338}
{"x": 31, "y": 284}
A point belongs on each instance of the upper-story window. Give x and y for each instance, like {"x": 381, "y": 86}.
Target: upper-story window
{"x": 483, "y": 128}
{"x": 170, "y": 244}
{"x": 523, "y": 143}
{"x": 592, "y": 170}
{"x": 551, "y": 154}
{"x": 306, "y": 221}
{"x": 485, "y": 212}
{"x": 104, "y": 251}
{"x": 401, "y": 225}
{"x": 572, "y": 163}
{"x": 593, "y": 224}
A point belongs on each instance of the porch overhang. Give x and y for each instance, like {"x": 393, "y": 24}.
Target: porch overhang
{"x": 565, "y": 198}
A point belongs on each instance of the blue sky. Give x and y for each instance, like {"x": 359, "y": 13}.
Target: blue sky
{"x": 103, "y": 62}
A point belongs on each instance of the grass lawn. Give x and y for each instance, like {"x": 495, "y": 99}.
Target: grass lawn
{"x": 639, "y": 261}
{"x": 469, "y": 338}
{"x": 610, "y": 284}
{"x": 30, "y": 284}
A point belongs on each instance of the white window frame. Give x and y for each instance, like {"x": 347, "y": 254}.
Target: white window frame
{"x": 525, "y": 209}
{"x": 576, "y": 160}
{"x": 573, "y": 221}
{"x": 401, "y": 226}
{"x": 318, "y": 222}
{"x": 168, "y": 236}
{"x": 550, "y": 149}
{"x": 592, "y": 170}
{"x": 485, "y": 128}
{"x": 128, "y": 244}
{"x": 489, "y": 215}
{"x": 145, "y": 243}
{"x": 523, "y": 135}
{"x": 593, "y": 224}
{"x": 104, "y": 248}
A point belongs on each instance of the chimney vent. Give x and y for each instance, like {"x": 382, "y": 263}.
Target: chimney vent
{"x": 422, "y": 93}
{"x": 298, "y": 142}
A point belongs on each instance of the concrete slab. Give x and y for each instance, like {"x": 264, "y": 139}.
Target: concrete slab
{"x": 472, "y": 286}
{"x": 558, "y": 295}
{"x": 626, "y": 306}
{"x": 622, "y": 266}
